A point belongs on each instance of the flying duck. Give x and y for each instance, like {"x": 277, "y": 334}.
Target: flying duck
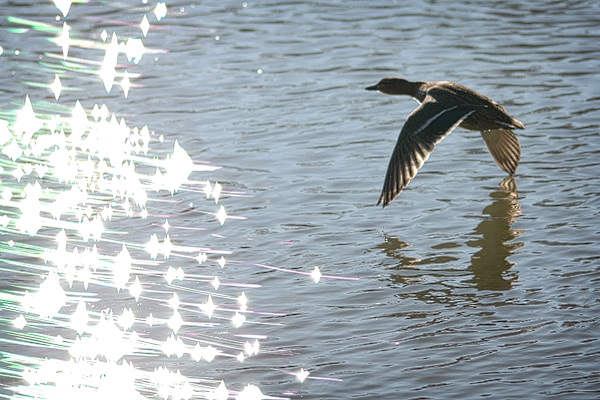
{"x": 444, "y": 106}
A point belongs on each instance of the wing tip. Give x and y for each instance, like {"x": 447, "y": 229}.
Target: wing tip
{"x": 385, "y": 199}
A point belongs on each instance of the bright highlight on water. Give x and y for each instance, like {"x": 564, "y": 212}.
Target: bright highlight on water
{"x": 72, "y": 178}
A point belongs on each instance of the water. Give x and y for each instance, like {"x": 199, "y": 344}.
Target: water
{"x": 468, "y": 285}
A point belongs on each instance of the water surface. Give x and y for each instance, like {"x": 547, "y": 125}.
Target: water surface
{"x": 469, "y": 285}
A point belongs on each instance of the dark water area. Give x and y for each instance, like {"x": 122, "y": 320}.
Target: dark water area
{"x": 468, "y": 285}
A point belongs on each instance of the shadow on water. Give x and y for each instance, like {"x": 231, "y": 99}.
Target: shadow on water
{"x": 489, "y": 266}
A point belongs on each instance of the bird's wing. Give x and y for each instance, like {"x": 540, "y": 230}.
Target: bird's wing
{"x": 504, "y": 146}
{"x": 424, "y": 128}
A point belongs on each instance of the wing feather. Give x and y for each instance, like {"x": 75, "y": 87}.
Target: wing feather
{"x": 504, "y": 147}
{"x": 425, "y": 127}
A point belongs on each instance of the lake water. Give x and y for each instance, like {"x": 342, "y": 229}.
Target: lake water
{"x": 468, "y": 285}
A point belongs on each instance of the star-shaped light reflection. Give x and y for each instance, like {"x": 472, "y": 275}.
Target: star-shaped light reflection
{"x": 27, "y": 123}
{"x": 302, "y": 375}
{"x": 145, "y": 25}
{"x": 56, "y": 87}
{"x": 20, "y": 322}
{"x": 64, "y": 40}
{"x": 136, "y": 289}
{"x": 160, "y": 11}
{"x": 175, "y": 322}
{"x": 107, "y": 69}
{"x": 316, "y": 275}
{"x": 221, "y": 215}
{"x": 208, "y": 308}
{"x": 238, "y": 319}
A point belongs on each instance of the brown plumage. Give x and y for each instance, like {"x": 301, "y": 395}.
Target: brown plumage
{"x": 444, "y": 106}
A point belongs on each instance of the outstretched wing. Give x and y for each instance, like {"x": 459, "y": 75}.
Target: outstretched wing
{"x": 424, "y": 128}
{"x": 504, "y": 146}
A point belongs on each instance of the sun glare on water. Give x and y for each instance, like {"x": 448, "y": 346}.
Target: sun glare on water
{"x": 70, "y": 181}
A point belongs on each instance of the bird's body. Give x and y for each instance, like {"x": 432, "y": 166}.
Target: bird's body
{"x": 445, "y": 105}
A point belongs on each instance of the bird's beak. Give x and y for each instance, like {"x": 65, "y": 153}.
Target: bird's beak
{"x": 374, "y": 87}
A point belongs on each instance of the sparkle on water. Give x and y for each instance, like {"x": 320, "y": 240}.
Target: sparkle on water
{"x": 65, "y": 178}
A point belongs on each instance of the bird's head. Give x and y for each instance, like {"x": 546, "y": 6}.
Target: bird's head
{"x": 392, "y": 86}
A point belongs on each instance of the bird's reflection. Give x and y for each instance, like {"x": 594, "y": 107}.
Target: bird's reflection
{"x": 496, "y": 240}
{"x": 489, "y": 266}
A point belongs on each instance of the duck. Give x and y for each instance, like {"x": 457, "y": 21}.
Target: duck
{"x": 443, "y": 106}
